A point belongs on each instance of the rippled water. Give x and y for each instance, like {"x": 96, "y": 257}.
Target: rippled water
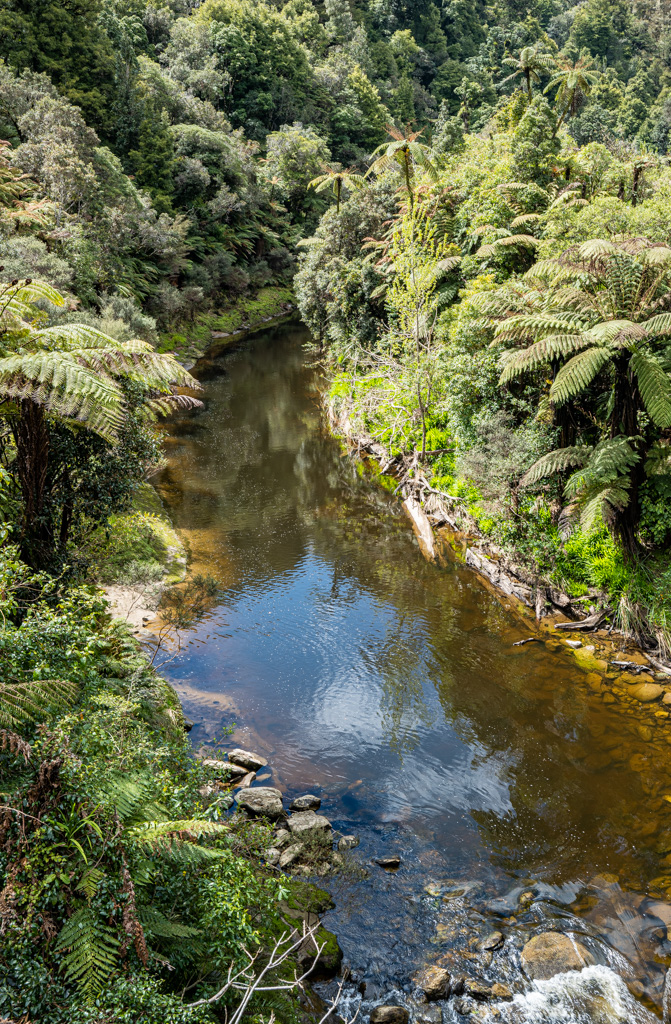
{"x": 392, "y": 689}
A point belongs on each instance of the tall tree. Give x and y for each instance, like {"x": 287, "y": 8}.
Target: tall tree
{"x": 573, "y": 82}
{"x": 405, "y": 153}
{"x": 529, "y": 65}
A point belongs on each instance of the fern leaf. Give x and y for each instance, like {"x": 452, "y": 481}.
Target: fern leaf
{"x": 658, "y": 325}
{"x": 156, "y": 923}
{"x": 89, "y": 882}
{"x": 149, "y": 832}
{"x": 554, "y": 462}
{"x": 552, "y": 347}
{"x": 169, "y": 403}
{"x": 91, "y": 951}
{"x": 578, "y": 374}
{"x": 655, "y": 387}
{"x": 21, "y": 703}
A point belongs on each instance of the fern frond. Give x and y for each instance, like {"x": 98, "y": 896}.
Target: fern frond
{"x": 149, "y": 832}
{"x": 543, "y": 351}
{"x": 21, "y": 703}
{"x": 156, "y": 923}
{"x": 555, "y": 462}
{"x": 169, "y": 403}
{"x": 609, "y": 461}
{"x": 89, "y": 882}
{"x": 654, "y": 384}
{"x": 91, "y": 951}
{"x": 578, "y": 374}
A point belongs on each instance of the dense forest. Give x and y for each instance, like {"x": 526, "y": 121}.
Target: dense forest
{"x": 470, "y": 202}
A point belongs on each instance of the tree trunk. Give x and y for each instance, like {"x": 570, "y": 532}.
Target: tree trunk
{"x": 32, "y": 461}
{"x": 624, "y": 422}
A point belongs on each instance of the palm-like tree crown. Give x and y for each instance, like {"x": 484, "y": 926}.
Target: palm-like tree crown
{"x": 529, "y": 66}
{"x": 406, "y": 153}
{"x": 337, "y": 180}
{"x": 572, "y": 82}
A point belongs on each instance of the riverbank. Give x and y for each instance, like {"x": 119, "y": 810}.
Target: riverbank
{"x": 211, "y": 332}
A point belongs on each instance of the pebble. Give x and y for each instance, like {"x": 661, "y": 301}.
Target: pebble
{"x": 645, "y": 692}
{"x": 575, "y": 644}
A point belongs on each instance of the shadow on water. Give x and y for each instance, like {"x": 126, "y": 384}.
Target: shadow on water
{"x": 517, "y": 799}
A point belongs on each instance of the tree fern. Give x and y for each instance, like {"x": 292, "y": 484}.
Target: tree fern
{"x": 90, "y": 948}
{"x": 555, "y": 462}
{"x": 22, "y": 703}
{"x": 156, "y": 923}
{"x": 578, "y": 373}
{"x": 655, "y": 387}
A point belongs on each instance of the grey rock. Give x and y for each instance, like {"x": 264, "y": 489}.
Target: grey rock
{"x": 306, "y": 821}
{"x": 492, "y": 941}
{"x": 272, "y": 855}
{"x": 430, "y": 1014}
{"x": 463, "y": 1007}
{"x": 306, "y": 803}
{"x": 282, "y": 837}
{"x": 388, "y": 863}
{"x": 389, "y": 1015}
{"x": 233, "y": 771}
{"x": 246, "y": 780}
{"x": 246, "y": 759}
{"x": 553, "y": 953}
{"x": 348, "y": 842}
{"x": 263, "y": 801}
{"x": 291, "y": 854}
{"x": 575, "y": 644}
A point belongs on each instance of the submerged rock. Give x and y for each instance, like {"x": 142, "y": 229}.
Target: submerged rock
{"x": 501, "y": 992}
{"x": 492, "y": 941}
{"x": 306, "y": 803}
{"x": 388, "y": 863}
{"x": 645, "y": 692}
{"x": 553, "y": 953}
{"x": 389, "y": 1015}
{"x": 263, "y": 801}
{"x": 246, "y": 759}
{"x": 435, "y": 983}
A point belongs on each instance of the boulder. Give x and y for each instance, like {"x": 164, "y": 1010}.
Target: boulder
{"x": 348, "y": 843}
{"x": 306, "y": 803}
{"x": 645, "y": 692}
{"x": 306, "y": 821}
{"x": 435, "y": 983}
{"x": 246, "y": 780}
{"x": 272, "y": 855}
{"x": 263, "y": 801}
{"x": 501, "y": 992}
{"x": 233, "y": 771}
{"x": 389, "y": 1015}
{"x": 553, "y": 953}
{"x": 246, "y": 759}
{"x": 477, "y": 989}
{"x": 428, "y": 1014}
{"x": 291, "y": 854}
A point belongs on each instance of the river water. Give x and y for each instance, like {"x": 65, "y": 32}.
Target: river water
{"x": 517, "y": 798}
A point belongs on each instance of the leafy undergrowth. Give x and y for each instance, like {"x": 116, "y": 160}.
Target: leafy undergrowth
{"x": 125, "y": 897}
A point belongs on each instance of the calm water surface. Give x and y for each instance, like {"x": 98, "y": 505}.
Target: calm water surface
{"x": 392, "y": 689}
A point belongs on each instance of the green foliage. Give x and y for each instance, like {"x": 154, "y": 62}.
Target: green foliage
{"x": 91, "y": 950}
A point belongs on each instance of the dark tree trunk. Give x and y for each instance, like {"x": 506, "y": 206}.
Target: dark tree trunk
{"x": 563, "y": 416}
{"x": 32, "y": 460}
{"x": 624, "y": 422}
{"x": 634, "y": 185}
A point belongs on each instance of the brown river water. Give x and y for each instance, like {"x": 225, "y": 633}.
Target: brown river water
{"x": 516, "y": 797}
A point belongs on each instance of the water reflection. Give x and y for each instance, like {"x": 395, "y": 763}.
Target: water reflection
{"x": 393, "y": 688}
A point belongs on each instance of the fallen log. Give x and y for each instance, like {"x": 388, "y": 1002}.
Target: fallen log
{"x": 585, "y": 625}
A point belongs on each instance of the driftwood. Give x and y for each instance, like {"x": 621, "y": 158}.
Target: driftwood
{"x": 659, "y": 665}
{"x": 585, "y": 625}
{"x": 529, "y": 640}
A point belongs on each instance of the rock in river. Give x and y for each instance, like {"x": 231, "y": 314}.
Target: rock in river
{"x": 348, "y": 842}
{"x": 306, "y": 803}
{"x": 264, "y": 801}
{"x": 435, "y": 983}
{"x": 388, "y": 863}
{"x": 389, "y": 1015}
{"x": 291, "y": 854}
{"x": 645, "y": 692}
{"x": 491, "y": 941}
{"x": 553, "y": 953}
{"x": 305, "y": 821}
{"x": 245, "y": 758}
{"x": 234, "y": 771}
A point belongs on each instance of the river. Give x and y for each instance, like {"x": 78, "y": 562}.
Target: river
{"x": 516, "y": 797}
